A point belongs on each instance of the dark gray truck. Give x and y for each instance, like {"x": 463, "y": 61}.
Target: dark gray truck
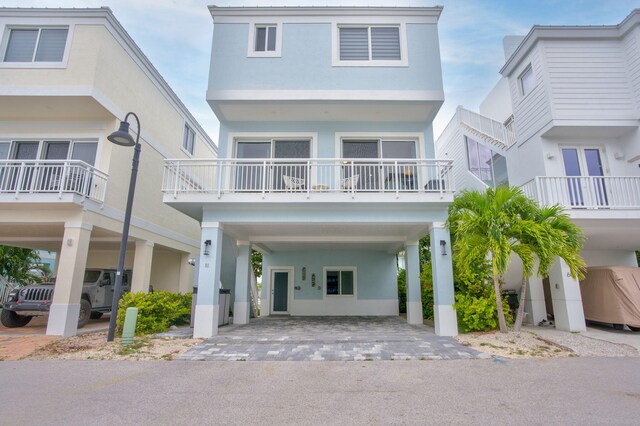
{"x": 35, "y": 300}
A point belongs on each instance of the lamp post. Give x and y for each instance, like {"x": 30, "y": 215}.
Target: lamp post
{"x": 123, "y": 138}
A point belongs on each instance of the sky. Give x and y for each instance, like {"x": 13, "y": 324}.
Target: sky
{"x": 176, "y": 36}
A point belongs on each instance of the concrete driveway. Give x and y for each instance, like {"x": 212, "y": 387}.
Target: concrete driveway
{"x": 328, "y": 339}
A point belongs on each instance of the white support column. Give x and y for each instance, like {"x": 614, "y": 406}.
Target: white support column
{"x": 444, "y": 315}
{"x": 72, "y": 260}
{"x": 241, "y": 306}
{"x": 142, "y": 266}
{"x": 534, "y": 304}
{"x": 566, "y": 298}
{"x": 186, "y": 273}
{"x": 207, "y": 309}
{"x": 414, "y": 295}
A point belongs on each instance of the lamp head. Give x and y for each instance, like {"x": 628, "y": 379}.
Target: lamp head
{"x": 122, "y": 136}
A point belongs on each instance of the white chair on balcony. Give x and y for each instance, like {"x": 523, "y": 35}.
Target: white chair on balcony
{"x": 350, "y": 183}
{"x": 292, "y": 183}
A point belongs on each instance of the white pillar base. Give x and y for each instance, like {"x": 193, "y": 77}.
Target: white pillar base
{"x": 264, "y": 306}
{"x": 445, "y": 320}
{"x": 569, "y": 315}
{"x": 241, "y": 312}
{"x": 205, "y": 323}
{"x": 414, "y": 313}
{"x": 534, "y": 304}
{"x": 63, "y": 319}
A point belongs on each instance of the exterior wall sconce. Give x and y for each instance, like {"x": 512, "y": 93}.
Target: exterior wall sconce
{"x": 304, "y": 273}
{"x": 207, "y": 246}
{"x": 443, "y": 247}
{"x": 550, "y": 156}
{"x": 618, "y": 155}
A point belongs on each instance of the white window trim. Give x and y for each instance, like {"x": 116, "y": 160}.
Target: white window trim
{"x": 290, "y": 294}
{"x": 43, "y": 140}
{"x": 182, "y": 147}
{"x": 266, "y": 137}
{"x": 400, "y": 136}
{"x": 339, "y": 268}
{"x": 5, "y": 41}
{"x": 335, "y": 43}
{"x": 251, "y": 52}
{"x": 521, "y": 86}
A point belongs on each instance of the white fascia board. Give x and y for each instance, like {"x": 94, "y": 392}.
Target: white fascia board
{"x": 540, "y": 32}
{"x": 424, "y": 14}
{"x": 94, "y": 16}
{"x": 328, "y": 95}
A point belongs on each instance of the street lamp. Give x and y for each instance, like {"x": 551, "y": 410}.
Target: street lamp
{"x": 123, "y": 138}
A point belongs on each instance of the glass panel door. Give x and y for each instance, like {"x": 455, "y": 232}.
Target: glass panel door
{"x": 405, "y": 175}
{"x": 367, "y": 174}
{"x": 593, "y": 163}
{"x": 249, "y": 175}
{"x": 291, "y": 176}
{"x": 280, "y": 292}
{"x": 51, "y": 173}
{"x": 572, "y": 168}
{"x": 24, "y": 151}
{"x": 85, "y": 151}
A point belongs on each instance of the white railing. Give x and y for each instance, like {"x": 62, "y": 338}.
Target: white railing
{"x": 6, "y": 287}
{"x": 492, "y": 128}
{"x": 307, "y": 176}
{"x": 52, "y": 176}
{"x": 586, "y": 192}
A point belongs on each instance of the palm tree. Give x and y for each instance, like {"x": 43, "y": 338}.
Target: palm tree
{"x": 549, "y": 234}
{"x": 482, "y": 223}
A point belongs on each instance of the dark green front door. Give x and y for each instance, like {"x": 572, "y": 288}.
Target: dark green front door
{"x": 280, "y": 292}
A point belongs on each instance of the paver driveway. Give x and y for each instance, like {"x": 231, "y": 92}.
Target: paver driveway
{"x": 330, "y": 339}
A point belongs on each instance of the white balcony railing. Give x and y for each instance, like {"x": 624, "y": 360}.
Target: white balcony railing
{"x": 266, "y": 176}
{"x": 586, "y": 192}
{"x": 487, "y": 126}
{"x": 52, "y": 176}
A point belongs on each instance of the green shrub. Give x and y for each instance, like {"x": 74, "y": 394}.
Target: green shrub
{"x": 157, "y": 311}
{"x": 402, "y": 291}
{"x": 426, "y": 288}
{"x": 478, "y": 313}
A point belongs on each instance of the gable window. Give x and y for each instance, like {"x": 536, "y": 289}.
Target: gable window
{"x": 340, "y": 281}
{"x": 188, "y": 139}
{"x": 265, "y": 40}
{"x": 527, "y": 81}
{"x": 36, "y": 45}
{"x": 376, "y": 45}
{"x": 487, "y": 165}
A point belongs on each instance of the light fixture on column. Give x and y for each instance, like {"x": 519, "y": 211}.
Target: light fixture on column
{"x": 443, "y": 247}
{"x": 207, "y": 245}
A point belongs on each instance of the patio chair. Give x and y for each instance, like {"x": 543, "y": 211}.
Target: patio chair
{"x": 350, "y": 183}
{"x": 292, "y": 183}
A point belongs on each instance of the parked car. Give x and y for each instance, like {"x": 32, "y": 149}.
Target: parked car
{"x": 611, "y": 294}
{"x": 35, "y": 300}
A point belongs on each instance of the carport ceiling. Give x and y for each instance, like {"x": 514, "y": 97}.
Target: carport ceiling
{"x": 611, "y": 234}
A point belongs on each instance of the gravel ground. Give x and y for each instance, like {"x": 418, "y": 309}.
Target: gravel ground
{"x": 582, "y": 345}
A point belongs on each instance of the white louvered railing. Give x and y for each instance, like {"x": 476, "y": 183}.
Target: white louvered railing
{"x": 307, "y": 176}
{"x": 52, "y": 176}
{"x": 586, "y": 192}
{"x": 486, "y": 126}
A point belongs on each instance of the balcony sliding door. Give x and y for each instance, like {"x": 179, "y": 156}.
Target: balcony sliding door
{"x": 366, "y": 173}
{"x": 291, "y": 175}
{"x": 585, "y": 177}
{"x": 250, "y": 174}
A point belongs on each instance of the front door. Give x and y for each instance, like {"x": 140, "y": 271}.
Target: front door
{"x": 280, "y": 292}
{"x": 582, "y": 163}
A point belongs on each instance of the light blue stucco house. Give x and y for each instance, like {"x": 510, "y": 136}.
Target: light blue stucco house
{"x": 326, "y": 163}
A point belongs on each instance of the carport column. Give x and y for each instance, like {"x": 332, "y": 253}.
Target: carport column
{"x": 65, "y": 309}
{"x": 142, "y": 266}
{"x": 414, "y": 296}
{"x": 566, "y": 298}
{"x": 186, "y": 273}
{"x": 534, "y": 304}
{"x": 241, "y": 306}
{"x": 206, "y": 317}
{"x": 444, "y": 314}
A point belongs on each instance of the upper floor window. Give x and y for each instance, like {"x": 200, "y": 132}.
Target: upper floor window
{"x": 527, "y": 81}
{"x": 188, "y": 139}
{"x": 36, "y": 45}
{"x": 370, "y": 45}
{"x": 487, "y": 165}
{"x": 265, "y": 40}
{"x": 50, "y": 150}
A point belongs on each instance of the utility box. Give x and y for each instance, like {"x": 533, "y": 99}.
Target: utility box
{"x": 223, "y": 305}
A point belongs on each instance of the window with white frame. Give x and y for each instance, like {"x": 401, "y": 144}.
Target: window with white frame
{"x": 265, "y": 40}
{"x": 340, "y": 281}
{"x": 188, "y": 139}
{"x": 50, "y": 150}
{"x": 369, "y": 43}
{"x": 487, "y": 165}
{"x": 527, "y": 81}
{"x": 35, "y": 45}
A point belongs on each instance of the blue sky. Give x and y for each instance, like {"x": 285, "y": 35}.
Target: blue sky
{"x": 176, "y": 36}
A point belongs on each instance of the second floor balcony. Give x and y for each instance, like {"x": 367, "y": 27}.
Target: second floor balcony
{"x": 51, "y": 180}
{"x": 314, "y": 179}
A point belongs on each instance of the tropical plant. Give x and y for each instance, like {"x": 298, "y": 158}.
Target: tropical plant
{"x": 21, "y": 265}
{"x": 544, "y": 234}
{"x": 256, "y": 263}
{"x": 480, "y": 223}
{"x": 157, "y": 311}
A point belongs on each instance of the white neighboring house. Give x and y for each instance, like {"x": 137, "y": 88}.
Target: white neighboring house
{"x": 67, "y": 78}
{"x": 562, "y": 124}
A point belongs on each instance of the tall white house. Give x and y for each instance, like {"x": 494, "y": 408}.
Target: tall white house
{"x": 562, "y": 124}
{"x": 327, "y": 163}
{"x": 67, "y": 78}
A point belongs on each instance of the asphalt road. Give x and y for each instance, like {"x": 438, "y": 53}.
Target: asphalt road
{"x": 564, "y": 391}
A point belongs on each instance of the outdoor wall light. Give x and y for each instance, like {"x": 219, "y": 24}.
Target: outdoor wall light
{"x": 443, "y": 247}
{"x": 191, "y": 262}
{"x": 207, "y": 245}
